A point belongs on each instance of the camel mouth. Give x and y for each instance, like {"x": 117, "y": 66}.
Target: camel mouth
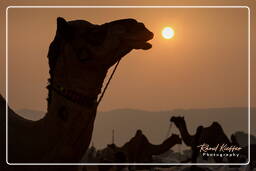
{"x": 141, "y": 41}
{"x": 142, "y": 45}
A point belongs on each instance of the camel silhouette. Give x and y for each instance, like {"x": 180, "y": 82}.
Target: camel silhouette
{"x": 79, "y": 58}
{"x": 137, "y": 150}
{"x": 140, "y": 150}
{"x": 211, "y": 135}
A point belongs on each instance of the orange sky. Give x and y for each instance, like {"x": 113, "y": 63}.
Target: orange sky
{"x": 203, "y": 66}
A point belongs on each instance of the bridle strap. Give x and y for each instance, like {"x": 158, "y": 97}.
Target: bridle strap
{"x": 121, "y": 54}
{"x": 75, "y": 97}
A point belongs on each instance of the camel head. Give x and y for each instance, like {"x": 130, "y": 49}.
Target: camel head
{"x": 176, "y": 138}
{"x": 82, "y": 52}
{"x": 178, "y": 121}
{"x": 102, "y": 45}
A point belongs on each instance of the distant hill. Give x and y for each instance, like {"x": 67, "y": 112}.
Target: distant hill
{"x": 155, "y": 124}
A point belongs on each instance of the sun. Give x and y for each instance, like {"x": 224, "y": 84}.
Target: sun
{"x": 168, "y": 33}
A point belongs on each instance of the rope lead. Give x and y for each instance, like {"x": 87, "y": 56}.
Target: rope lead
{"x": 105, "y": 88}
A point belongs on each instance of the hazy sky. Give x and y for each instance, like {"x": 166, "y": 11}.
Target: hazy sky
{"x": 203, "y": 66}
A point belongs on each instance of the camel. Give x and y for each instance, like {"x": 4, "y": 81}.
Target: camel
{"x": 79, "y": 58}
{"x": 139, "y": 150}
{"x": 211, "y": 135}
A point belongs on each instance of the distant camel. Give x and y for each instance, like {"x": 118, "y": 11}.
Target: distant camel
{"x": 79, "y": 58}
{"x": 137, "y": 150}
{"x": 140, "y": 150}
{"x": 211, "y": 135}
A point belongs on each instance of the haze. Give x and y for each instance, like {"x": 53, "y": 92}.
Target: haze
{"x": 203, "y": 66}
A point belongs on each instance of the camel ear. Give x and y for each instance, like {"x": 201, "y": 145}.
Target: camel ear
{"x": 63, "y": 28}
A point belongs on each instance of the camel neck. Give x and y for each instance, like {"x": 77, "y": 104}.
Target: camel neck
{"x": 68, "y": 122}
{"x": 187, "y": 138}
{"x": 87, "y": 84}
{"x": 161, "y": 148}
{"x": 69, "y": 129}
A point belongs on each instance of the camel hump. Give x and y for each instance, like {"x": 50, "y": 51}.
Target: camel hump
{"x": 2, "y": 105}
{"x": 139, "y": 132}
{"x": 216, "y": 126}
{"x": 13, "y": 117}
{"x": 2, "y": 100}
{"x": 2, "y": 108}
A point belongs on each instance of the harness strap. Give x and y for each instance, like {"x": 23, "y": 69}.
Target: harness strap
{"x": 74, "y": 96}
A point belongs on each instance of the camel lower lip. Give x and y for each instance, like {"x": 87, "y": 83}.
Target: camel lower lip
{"x": 147, "y": 46}
{"x": 141, "y": 45}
